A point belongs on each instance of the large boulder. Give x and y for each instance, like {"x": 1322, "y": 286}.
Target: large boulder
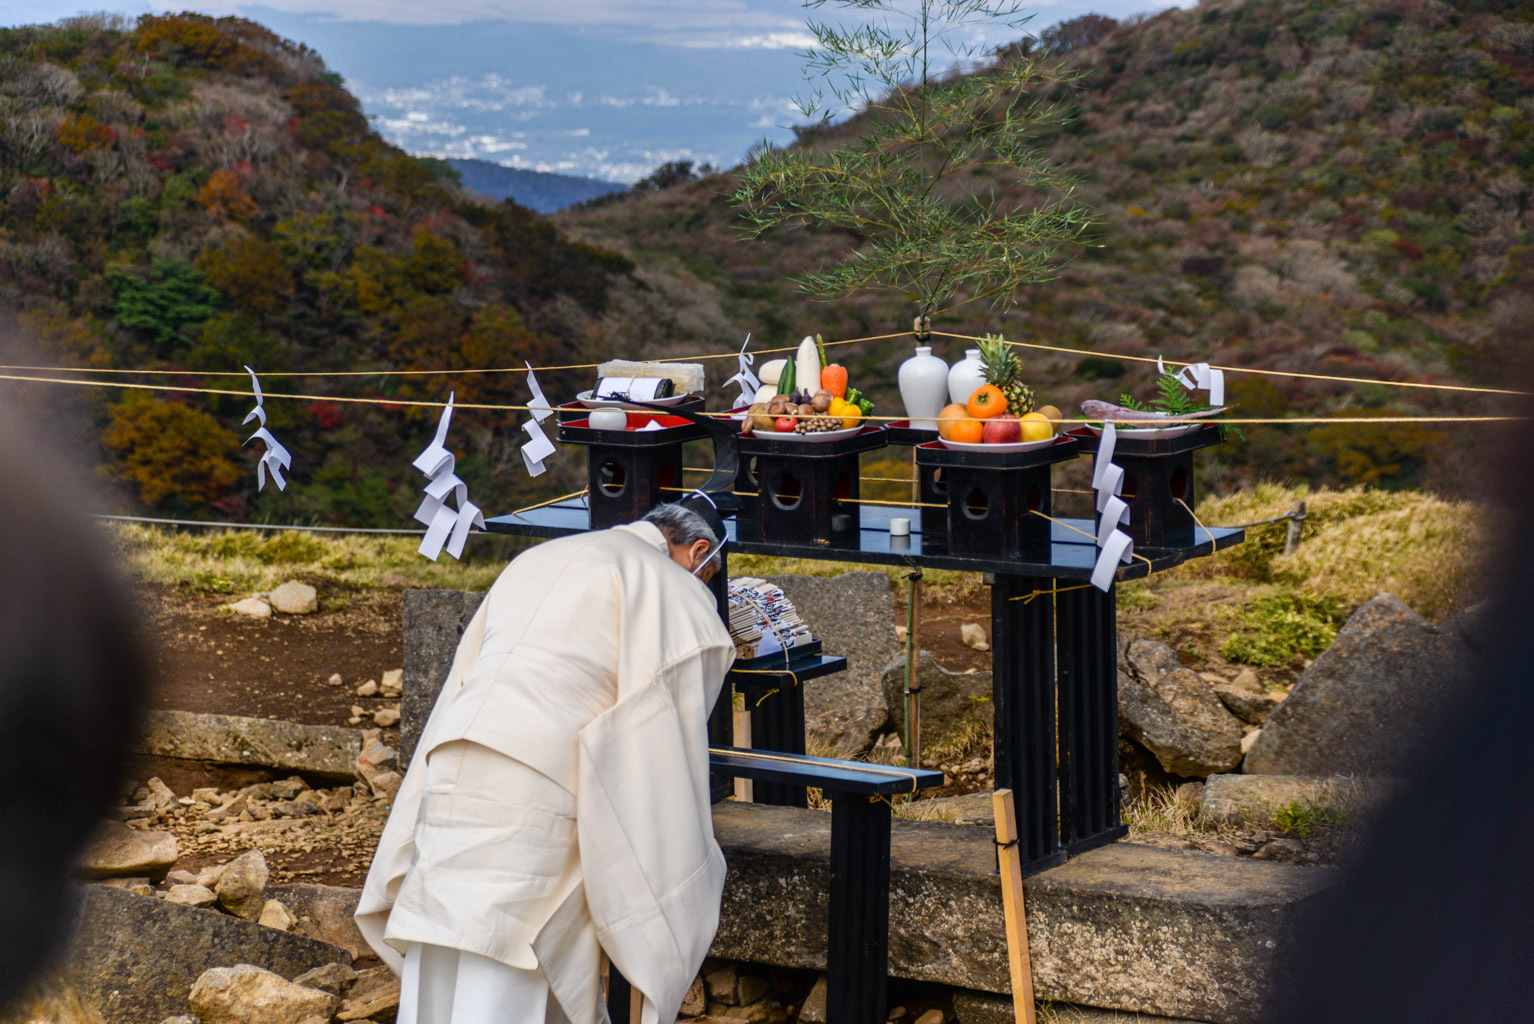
{"x": 1364, "y": 705}
{"x": 847, "y": 733}
{"x": 434, "y": 621}
{"x": 951, "y": 702}
{"x": 246, "y": 994}
{"x": 325, "y": 912}
{"x": 1255, "y": 799}
{"x": 134, "y": 958}
{"x": 852, "y": 615}
{"x": 118, "y": 851}
{"x": 1175, "y": 714}
{"x": 324, "y": 750}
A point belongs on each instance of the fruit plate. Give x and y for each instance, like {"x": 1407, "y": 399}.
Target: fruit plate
{"x": 591, "y": 402}
{"x": 1013, "y": 446}
{"x": 823, "y": 435}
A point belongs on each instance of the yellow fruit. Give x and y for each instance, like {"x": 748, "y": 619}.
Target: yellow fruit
{"x": 1036, "y": 427}
{"x": 849, "y": 412}
{"x": 947, "y": 418}
{"x": 1048, "y": 410}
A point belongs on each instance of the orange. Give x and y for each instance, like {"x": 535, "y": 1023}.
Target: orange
{"x": 987, "y": 402}
{"x": 947, "y": 416}
{"x": 966, "y": 431}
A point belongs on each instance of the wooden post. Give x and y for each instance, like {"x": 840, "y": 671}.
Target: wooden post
{"x": 743, "y": 791}
{"x": 1009, "y": 859}
{"x": 1296, "y": 523}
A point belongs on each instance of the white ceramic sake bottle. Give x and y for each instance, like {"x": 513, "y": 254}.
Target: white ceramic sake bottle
{"x": 923, "y": 387}
{"x": 966, "y": 377}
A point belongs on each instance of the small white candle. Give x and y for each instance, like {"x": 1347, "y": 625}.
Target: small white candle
{"x": 900, "y": 527}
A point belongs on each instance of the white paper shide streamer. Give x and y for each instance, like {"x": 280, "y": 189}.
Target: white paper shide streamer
{"x": 445, "y": 526}
{"x": 537, "y": 447}
{"x": 1199, "y": 375}
{"x": 276, "y": 458}
{"x": 1114, "y": 545}
{"x": 746, "y": 379}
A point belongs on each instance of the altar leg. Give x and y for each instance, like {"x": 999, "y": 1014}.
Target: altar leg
{"x": 1089, "y": 724}
{"x": 777, "y": 723}
{"x": 857, "y": 959}
{"x": 1023, "y": 696}
{"x": 721, "y": 720}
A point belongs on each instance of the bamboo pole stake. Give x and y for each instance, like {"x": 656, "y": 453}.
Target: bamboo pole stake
{"x": 743, "y": 787}
{"x": 1009, "y": 860}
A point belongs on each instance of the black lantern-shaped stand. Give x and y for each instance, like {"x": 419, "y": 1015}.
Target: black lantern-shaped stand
{"x": 807, "y": 491}
{"x": 1158, "y": 474}
{"x": 992, "y": 497}
{"x": 629, "y": 472}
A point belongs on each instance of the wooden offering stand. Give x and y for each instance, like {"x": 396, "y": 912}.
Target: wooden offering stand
{"x": 992, "y": 497}
{"x": 629, "y": 472}
{"x": 807, "y": 491}
{"x": 1158, "y": 483}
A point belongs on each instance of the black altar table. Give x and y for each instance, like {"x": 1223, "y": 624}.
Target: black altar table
{"x": 1054, "y": 655}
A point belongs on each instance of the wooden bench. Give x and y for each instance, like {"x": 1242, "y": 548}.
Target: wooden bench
{"x": 857, "y": 955}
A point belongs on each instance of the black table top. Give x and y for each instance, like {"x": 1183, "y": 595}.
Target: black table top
{"x": 852, "y": 777}
{"x": 776, "y": 675}
{"x": 1072, "y": 555}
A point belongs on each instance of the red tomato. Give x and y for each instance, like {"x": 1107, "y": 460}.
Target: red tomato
{"x": 785, "y": 424}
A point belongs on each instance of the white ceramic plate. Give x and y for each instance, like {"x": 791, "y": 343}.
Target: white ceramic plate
{"x": 1018, "y": 446}
{"x": 824, "y": 435}
{"x": 589, "y": 402}
{"x": 1151, "y": 433}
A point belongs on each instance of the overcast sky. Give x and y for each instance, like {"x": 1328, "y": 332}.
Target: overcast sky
{"x": 600, "y": 88}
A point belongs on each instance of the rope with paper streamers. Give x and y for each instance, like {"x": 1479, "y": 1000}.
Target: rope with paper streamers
{"x": 496, "y": 407}
{"x": 748, "y": 359}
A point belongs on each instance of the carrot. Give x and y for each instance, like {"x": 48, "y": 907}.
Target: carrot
{"x": 834, "y": 379}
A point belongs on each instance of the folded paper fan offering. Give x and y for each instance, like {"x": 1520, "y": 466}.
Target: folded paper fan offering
{"x": 762, "y": 618}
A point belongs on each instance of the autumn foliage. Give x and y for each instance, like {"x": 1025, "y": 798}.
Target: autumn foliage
{"x": 198, "y": 194}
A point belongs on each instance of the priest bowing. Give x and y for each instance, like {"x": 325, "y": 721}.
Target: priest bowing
{"x": 556, "y": 810}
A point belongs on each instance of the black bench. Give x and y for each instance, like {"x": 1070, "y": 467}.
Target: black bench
{"x": 857, "y": 955}
{"x": 773, "y": 691}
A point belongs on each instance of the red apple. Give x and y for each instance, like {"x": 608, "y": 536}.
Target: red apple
{"x": 1002, "y": 430}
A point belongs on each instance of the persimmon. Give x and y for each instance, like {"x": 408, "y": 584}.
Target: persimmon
{"x": 988, "y": 401}
{"x": 966, "y": 431}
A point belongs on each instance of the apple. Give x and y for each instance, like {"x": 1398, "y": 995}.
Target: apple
{"x": 1002, "y": 430}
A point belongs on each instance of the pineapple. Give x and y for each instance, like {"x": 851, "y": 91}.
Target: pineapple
{"x": 1003, "y": 369}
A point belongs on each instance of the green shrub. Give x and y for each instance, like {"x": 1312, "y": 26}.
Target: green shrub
{"x": 1280, "y": 629}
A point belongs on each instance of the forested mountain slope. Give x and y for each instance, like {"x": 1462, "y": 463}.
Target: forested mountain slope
{"x": 200, "y": 194}
{"x": 1324, "y": 187}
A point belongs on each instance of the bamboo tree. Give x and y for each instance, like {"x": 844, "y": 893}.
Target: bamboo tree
{"x": 944, "y": 185}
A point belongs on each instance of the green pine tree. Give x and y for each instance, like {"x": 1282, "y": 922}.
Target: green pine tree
{"x": 944, "y": 184}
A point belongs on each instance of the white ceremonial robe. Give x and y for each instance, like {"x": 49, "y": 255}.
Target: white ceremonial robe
{"x": 594, "y": 661}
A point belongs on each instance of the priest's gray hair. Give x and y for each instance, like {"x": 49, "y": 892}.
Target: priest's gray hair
{"x": 683, "y": 526}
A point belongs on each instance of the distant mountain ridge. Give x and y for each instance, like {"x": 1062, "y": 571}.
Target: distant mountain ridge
{"x": 542, "y": 191}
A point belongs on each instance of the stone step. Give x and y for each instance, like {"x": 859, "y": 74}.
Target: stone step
{"x": 327, "y": 751}
{"x": 1175, "y": 933}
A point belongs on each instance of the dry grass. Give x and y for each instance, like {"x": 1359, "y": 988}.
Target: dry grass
{"x": 1355, "y": 544}
{"x": 247, "y": 561}
{"x": 1157, "y": 813}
